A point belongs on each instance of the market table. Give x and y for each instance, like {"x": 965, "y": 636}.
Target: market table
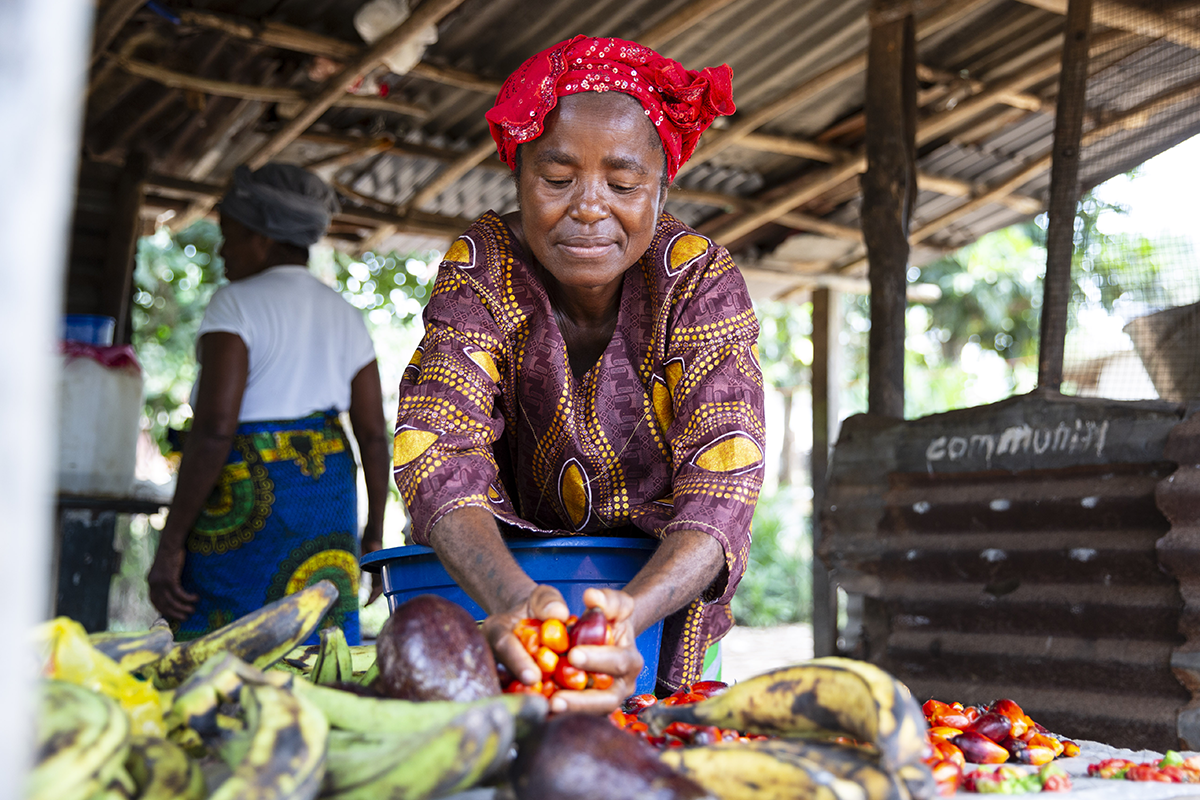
{"x": 1101, "y": 789}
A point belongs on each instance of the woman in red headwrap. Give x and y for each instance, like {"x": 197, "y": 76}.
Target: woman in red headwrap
{"x": 589, "y": 367}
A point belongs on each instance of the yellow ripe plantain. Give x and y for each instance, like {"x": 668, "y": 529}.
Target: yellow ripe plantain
{"x": 163, "y": 771}
{"x": 823, "y": 697}
{"x": 736, "y": 771}
{"x": 415, "y": 766}
{"x": 82, "y": 737}
{"x": 858, "y": 765}
{"x": 133, "y": 651}
{"x": 260, "y": 638}
{"x": 284, "y": 753}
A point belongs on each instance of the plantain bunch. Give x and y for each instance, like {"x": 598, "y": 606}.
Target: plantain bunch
{"x": 841, "y": 730}
{"x": 250, "y": 713}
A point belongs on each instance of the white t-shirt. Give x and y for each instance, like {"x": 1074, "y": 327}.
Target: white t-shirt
{"x": 305, "y": 342}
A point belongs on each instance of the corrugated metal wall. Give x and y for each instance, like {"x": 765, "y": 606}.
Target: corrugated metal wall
{"x": 1010, "y": 551}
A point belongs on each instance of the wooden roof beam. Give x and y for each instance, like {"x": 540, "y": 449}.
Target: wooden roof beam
{"x": 1126, "y": 17}
{"x": 289, "y": 37}
{"x": 245, "y": 91}
{"x": 429, "y": 12}
{"x": 1138, "y": 116}
{"x": 714, "y": 142}
{"x": 810, "y": 186}
{"x": 953, "y": 187}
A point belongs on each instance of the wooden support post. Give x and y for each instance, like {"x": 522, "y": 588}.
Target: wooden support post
{"x": 122, "y": 244}
{"x": 1064, "y": 194}
{"x": 825, "y": 319}
{"x": 889, "y": 189}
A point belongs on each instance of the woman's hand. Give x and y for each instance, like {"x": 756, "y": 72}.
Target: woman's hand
{"x": 545, "y": 602}
{"x": 166, "y": 586}
{"x": 621, "y": 659}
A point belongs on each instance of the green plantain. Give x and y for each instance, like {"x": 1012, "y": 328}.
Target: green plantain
{"x": 283, "y": 748}
{"x": 348, "y": 711}
{"x": 133, "y": 651}
{"x": 450, "y": 758}
{"x": 260, "y": 638}
{"x": 333, "y": 663}
{"x": 82, "y": 742}
{"x": 163, "y": 771}
{"x": 823, "y": 697}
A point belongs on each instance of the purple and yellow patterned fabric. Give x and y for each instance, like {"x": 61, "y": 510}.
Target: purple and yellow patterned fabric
{"x": 282, "y": 516}
{"x": 663, "y": 433}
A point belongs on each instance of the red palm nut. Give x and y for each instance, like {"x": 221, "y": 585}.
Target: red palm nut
{"x": 948, "y": 776}
{"x": 1008, "y": 708}
{"x": 546, "y": 660}
{"x": 599, "y": 680}
{"x": 945, "y": 751}
{"x": 592, "y": 628}
{"x": 1042, "y": 740}
{"x": 709, "y": 688}
{"x": 979, "y": 749}
{"x": 554, "y": 635}
{"x": 528, "y": 631}
{"x": 1070, "y": 749}
{"x": 942, "y": 732}
{"x": 933, "y": 708}
{"x": 951, "y": 720}
{"x": 636, "y": 702}
{"x": 568, "y": 677}
{"x": 996, "y": 727}
{"x": 1147, "y": 772}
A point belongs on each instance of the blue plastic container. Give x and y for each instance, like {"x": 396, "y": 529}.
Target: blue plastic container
{"x": 569, "y": 564}
{"x": 94, "y": 329}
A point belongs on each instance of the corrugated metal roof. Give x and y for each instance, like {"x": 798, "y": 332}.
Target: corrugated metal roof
{"x": 773, "y": 46}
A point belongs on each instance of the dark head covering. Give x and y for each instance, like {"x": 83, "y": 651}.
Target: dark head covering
{"x": 282, "y": 202}
{"x": 681, "y": 103}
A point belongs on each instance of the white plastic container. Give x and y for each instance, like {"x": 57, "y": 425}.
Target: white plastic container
{"x": 98, "y": 414}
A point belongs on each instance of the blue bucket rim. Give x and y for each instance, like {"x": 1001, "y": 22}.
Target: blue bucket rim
{"x": 371, "y": 561}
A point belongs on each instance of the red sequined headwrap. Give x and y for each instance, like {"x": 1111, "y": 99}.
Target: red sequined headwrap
{"x": 680, "y": 102}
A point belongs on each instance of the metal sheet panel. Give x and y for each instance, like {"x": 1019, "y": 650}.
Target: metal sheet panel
{"x": 1010, "y": 551}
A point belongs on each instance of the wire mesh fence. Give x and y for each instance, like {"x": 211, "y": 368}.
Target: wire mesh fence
{"x": 1133, "y": 322}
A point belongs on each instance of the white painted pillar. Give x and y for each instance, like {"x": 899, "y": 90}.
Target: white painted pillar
{"x": 42, "y": 81}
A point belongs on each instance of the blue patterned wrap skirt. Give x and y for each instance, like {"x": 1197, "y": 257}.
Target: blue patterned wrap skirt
{"x": 282, "y": 516}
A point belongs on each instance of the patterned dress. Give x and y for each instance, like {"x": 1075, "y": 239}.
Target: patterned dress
{"x": 282, "y": 516}
{"x": 663, "y": 433}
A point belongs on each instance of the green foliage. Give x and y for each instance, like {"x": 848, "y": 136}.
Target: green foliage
{"x": 175, "y": 276}
{"x": 777, "y": 586}
{"x": 785, "y": 343}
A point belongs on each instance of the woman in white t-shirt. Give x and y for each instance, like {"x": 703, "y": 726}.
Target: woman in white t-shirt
{"x": 265, "y": 503}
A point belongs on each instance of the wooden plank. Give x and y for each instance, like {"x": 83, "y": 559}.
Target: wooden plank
{"x": 453, "y": 171}
{"x": 889, "y": 189}
{"x": 267, "y": 94}
{"x": 1064, "y": 194}
{"x": 428, "y": 13}
{"x": 825, "y": 389}
{"x": 110, "y": 23}
{"x": 122, "y": 243}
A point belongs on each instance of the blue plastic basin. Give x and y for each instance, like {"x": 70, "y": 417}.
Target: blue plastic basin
{"x": 569, "y": 564}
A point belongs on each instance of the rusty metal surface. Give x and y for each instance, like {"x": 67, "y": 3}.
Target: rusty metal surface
{"x": 772, "y": 45}
{"x": 1028, "y": 571}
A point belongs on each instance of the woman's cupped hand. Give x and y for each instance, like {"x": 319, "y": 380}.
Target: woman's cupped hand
{"x": 621, "y": 659}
